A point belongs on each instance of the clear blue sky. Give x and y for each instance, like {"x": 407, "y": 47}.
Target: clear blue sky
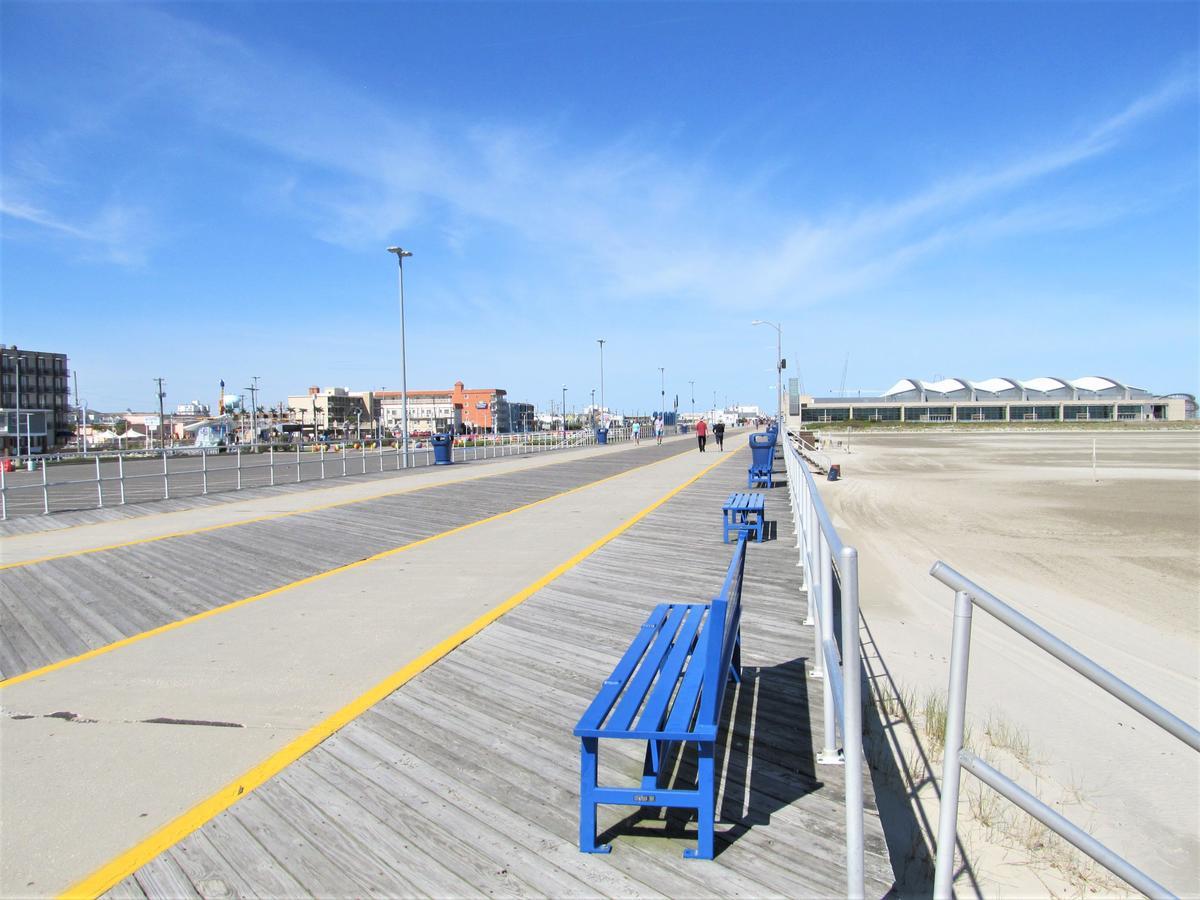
{"x": 206, "y": 191}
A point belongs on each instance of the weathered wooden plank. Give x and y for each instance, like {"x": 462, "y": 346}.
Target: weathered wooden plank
{"x": 162, "y": 877}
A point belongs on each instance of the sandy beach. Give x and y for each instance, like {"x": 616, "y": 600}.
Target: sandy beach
{"x": 1110, "y": 562}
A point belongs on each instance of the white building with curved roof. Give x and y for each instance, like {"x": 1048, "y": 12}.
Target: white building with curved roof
{"x": 1000, "y": 399}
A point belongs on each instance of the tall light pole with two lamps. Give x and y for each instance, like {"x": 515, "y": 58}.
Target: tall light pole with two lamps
{"x": 400, "y": 254}
{"x": 778, "y": 362}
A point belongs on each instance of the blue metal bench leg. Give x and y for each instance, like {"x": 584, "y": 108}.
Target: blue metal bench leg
{"x": 588, "y": 756}
{"x": 735, "y": 664}
{"x": 706, "y": 813}
{"x": 652, "y": 768}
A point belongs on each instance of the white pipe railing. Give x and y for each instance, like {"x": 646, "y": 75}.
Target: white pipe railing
{"x": 281, "y": 466}
{"x": 968, "y": 595}
{"x": 830, "y": 567}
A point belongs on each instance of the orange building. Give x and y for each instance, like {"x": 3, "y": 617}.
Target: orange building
{"x": 478, "y": 409}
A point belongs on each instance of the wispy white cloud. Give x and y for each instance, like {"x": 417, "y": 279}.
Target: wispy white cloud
{"x": 622, "y": 218}
{"x": 117, "y": 234}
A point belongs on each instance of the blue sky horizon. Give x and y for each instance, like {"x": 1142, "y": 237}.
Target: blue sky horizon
{"x": 205, "y": 191}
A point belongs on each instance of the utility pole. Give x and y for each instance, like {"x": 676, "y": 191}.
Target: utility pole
{"x": 161, "y": 393}
{"x": 254, "y": 408}
{"x": 80, "y": 415}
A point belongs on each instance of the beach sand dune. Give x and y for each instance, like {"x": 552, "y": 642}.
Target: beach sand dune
{"x": 1110, "y": 562}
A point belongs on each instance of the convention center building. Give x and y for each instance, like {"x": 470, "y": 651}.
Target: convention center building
{"x": 1044, "y": 399}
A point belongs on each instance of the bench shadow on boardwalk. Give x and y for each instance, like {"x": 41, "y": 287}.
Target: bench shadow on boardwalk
{"x": 766, "y": 759}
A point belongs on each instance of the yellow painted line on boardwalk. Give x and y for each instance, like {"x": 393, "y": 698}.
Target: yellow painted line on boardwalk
{"x": 138, "y": 855}
{"x": 170, "y": 626}
{"x": 207, "y": 528}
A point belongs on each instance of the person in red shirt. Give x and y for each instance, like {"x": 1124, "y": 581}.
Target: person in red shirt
{"x": 702, "y": 433}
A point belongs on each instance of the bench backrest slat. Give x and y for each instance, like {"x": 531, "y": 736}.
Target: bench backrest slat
{"x": 719, "y": 636}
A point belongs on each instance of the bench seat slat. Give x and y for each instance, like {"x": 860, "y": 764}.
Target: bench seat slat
{"x": 687, "y": 701}
{"x": 652, "y": 659}
{"x": 655, "y": 710}
{"x": 611, "y": 689}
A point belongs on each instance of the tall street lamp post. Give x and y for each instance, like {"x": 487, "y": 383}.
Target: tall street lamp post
{"x": 693, "y": 384}
{"x": 603, "y": 419}
{"x": 662, "y": 377}
{"x": 400, "y": 254}
{"x": 778, "y": 362}
{"x": 564, "y": 413}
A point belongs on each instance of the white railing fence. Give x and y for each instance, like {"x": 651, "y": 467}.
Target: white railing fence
{"x": 116, "y": 476}
{"x": 830, "y": 571}
{"x": 968, "y": 595}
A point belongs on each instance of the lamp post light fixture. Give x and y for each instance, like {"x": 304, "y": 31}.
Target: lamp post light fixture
{"x": 693, "y": 384}
{"x": 400, "y": 254}
{"x": 778, "y": 362}
{"x": 564, "y": 414}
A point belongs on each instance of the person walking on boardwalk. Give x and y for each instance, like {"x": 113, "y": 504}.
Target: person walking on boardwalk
{"x": 637, "y": 433}
{"x": 701, "y": 433}
{"x": 658, "y": 429}
{"x": 719, "y": 434}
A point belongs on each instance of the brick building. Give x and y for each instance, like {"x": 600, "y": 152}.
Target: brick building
{"x": 465, "y": 409}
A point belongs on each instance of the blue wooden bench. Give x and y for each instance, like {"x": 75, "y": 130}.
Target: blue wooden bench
{"x": 737, "y": 513}
{"x": 669, "y": 687}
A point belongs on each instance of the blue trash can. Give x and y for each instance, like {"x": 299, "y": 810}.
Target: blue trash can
{"x": 443, "y": 444}
{"x": 762, "y": 462}
{"x": 601, "y": 435}
{"x": 835, "y": 472}
{"x": 683, "y": 429}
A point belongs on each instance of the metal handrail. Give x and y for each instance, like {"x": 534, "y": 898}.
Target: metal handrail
{"x": 822, "y": 557}
{"x": 967, "y": 595}
{"x": 290, "y": 461}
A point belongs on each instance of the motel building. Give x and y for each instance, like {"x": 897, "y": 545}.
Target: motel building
{"x": 458, "y": 409}
{"x": 1091, "y": 398}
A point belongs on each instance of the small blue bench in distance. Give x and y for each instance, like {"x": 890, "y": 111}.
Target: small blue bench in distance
{"x": 669, "y": 687}
{"x": 744, "y": 513}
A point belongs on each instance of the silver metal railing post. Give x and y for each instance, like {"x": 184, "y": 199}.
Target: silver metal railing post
{"x": 204, "y": 470}
{"x": 322, "y": 462}
{"x": 239, "y": 467}
{"x": 120, "y": 474}
{"x": 852, "y": 729}
{"x": 3, "y": 494}
{"x": 956, "y": 708}
{"x": 166, "y": 478}
{"x": 828, "y": 752}
{"x": 298, "y": 477}
{"x": 815, "y": 594}
{"x": 271, "y": 463}
{"x": 45, "y": 492}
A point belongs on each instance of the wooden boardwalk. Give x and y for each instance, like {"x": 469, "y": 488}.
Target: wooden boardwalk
{"x": 464, "y": 782}
{"x": 60, "y": 608}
